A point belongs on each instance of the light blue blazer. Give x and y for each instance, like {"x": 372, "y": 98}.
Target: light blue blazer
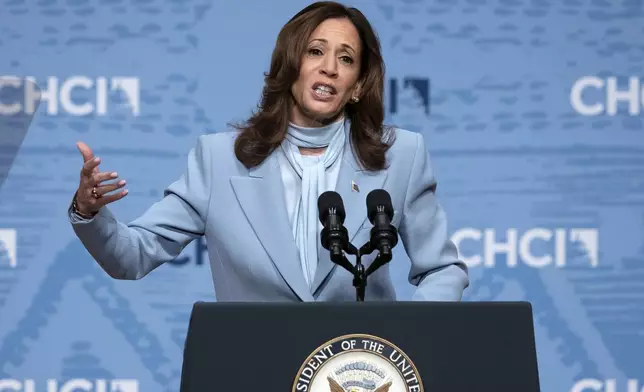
{"x": 253, "y": 256}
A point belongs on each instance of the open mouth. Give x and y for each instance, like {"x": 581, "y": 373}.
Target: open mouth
{"x": 324, "y": 90}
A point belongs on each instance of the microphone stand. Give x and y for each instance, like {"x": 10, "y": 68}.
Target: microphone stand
{"x": 359, "y": 279}
{"x": 360, "y": 275}
{"x": 358, "y": 271}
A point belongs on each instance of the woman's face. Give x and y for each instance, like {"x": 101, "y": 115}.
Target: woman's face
{"x": 329, "y": 74}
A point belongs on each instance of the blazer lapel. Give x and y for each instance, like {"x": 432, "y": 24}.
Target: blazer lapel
{"x": 353, "y": 185}
{"x": 261, "y": 196}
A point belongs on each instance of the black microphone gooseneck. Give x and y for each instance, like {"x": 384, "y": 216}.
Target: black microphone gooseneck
{"x": 335, "y": 238}
{"x": 384, "y": 235}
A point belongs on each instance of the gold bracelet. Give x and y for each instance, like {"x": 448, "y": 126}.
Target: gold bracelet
{"x": 76, "y": 211}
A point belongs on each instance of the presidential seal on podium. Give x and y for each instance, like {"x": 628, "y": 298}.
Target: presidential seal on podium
{"x": 358, "y": 363}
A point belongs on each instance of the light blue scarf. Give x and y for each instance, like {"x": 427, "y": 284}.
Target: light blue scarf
{"x": 311, "y": 169}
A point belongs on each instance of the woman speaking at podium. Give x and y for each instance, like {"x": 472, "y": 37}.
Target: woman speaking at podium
{"x": 253, "y": 191}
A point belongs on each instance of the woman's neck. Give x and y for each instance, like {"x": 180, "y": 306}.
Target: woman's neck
{"x": 301, "y": 120}
{"x": 312, "y": 151}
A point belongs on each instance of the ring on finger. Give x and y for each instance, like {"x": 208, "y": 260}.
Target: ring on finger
{"x": 94, "y": 193}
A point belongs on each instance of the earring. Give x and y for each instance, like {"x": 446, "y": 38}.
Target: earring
{"x": 355, "y": 99}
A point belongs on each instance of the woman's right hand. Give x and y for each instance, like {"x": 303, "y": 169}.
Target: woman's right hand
{"x": 92, "y": 194}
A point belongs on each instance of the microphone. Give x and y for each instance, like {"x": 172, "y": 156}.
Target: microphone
{"x": 334, "y": 236}
{"x": 384, "y": 235}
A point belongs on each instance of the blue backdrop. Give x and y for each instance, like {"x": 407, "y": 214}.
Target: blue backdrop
{"x": 532, "y": 111}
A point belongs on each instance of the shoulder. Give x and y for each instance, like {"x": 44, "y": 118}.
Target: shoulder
{"x": 217, "y": 151}
{"x": 218, "y": 140}
{"x": 405, "y": 139}
{"x": 405, "y": 147}
{"x": 409, "y": 164}
{"x": 219, "y": 145}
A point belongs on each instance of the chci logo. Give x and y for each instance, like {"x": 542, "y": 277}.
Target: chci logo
{"x": 358, "y": 363}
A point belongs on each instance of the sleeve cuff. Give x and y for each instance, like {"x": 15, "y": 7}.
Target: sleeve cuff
{"x": 75, "y": 217}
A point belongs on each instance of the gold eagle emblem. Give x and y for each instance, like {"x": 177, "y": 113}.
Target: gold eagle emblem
{"x": 335, "y": 387}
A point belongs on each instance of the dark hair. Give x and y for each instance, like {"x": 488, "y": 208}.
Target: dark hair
{"x": 266, "y": 128}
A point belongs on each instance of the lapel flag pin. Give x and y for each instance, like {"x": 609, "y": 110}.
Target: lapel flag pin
{"x": 354, "y": 187}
